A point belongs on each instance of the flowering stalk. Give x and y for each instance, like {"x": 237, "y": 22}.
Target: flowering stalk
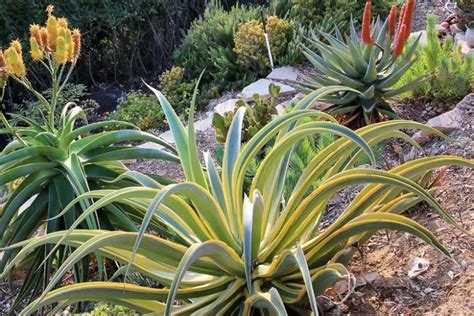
{"x": 392, "y": 19}
{"x": 55, "y": 46}
{"x": 408, "y": 17}
{"x": 366, "y": 23}
{"x": 400, "y": 41}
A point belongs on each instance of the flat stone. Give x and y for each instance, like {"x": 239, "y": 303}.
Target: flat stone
{"x": 226, "y": 106}
{"x": 151, "y": 145}
{"x": 423, "y": 38}
{"x": 167, "y": 136}
{"x": 203, "y": 125}
{"x": 261, "y": 87}
{"x": 460, "y": 40}
{"x": 445, "y": 122}
{"x": 283, "y": 73}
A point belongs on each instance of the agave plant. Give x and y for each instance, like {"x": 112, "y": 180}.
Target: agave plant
{"x": 244, "y": 253}
{"x": 54, "y": 162}
{"x": 371, "y": 63}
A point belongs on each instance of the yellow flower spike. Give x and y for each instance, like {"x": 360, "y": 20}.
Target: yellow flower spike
{"x": 62, "y": 32}
{"x": 44, "y": 38}
{"x": 70, "y": 45}
{"x": 50, "y": 9}
{"x": 76, "y": 37}
{"x": 17, "y": 46}
{"x": 14, "y": 61}
{"x": 36, "y": 52}
{"x": 61, "y": 51}
{"x": 2, "y": 60}
{"x": 52, "y": 26}
{"x": 3, "y": 72}
{"x": 62, "y": 22}
{"x": 35, "y": 31}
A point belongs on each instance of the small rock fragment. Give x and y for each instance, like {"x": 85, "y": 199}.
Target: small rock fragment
{"x": 417, "y": 266}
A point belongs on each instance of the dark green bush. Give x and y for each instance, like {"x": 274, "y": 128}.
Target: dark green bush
{"x": 209, "y": 45}
{"x": 140, "y": 109}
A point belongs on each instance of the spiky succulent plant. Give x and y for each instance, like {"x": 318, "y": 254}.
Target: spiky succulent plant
{"x": 239, "y": 254}
{"x": 371, "y": 64}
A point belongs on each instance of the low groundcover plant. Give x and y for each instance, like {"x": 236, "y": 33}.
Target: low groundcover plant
{"x": 240, "y": 252}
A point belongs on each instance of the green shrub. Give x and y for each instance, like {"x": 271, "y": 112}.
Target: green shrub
{"x": 142, "y": 110}
{"x": 451, "y": 73}
{"x": 251, "y": 47}
{"x": 209, "y": 45}
{"x": 313, "y": 12}
{"x": 178, "y": 92}
{"x": 103, "y": 309}
{"x": 303, "y": 153}
{"x": 245, "y": 254}
{"x": 258, "y": 114}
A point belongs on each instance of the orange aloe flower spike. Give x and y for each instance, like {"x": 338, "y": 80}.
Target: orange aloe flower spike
{"x": 366, "y": 22}
{"x": 392, "y": 20}
{"x": 400, "y": 41}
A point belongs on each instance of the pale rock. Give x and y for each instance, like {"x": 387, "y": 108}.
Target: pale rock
{"x": 261, "y": 87}
{"x": 417, "y": 266}
{"x": 423, "y": 38}
{"x": 167, "y": 137}
{"x": 204, "y": 124}
{"x": 460, "y": 40}
{"x": 445, "y": 122}
{"x": 226, "y": 106}
{"x": 284, "y": 73}
{"x": 151, "y": 145}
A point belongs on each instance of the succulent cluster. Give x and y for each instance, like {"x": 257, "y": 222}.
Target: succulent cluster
{"x": 241, "y": 252}
{"x": 250, "y": 43}
{"x": 370, "y": 65}
{"x": 257, "y": 115}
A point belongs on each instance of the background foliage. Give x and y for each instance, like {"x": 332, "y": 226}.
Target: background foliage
{"x": 451, "y": 74}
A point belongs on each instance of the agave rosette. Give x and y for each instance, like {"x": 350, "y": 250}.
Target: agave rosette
{"x": 371, "y": 63}
{"x": 236, "y": 251}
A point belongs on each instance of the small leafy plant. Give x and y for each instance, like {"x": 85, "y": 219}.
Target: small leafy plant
{"x": 55, "y": 160}
{"x": 370, "y": 65}
{"x": 259, "y": 114}
{"x": 141, "y": 110}
{"x": 248, "y": 254}
{"x": 451, "y": 73}
{"x": 250, "y": 43}
{"x": 175, "y": 89}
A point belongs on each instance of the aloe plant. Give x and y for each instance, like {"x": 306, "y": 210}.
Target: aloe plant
{"x": 52, "y": 162}
{"x": 371, "y": 63}
{"x": 238, "y": 253}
